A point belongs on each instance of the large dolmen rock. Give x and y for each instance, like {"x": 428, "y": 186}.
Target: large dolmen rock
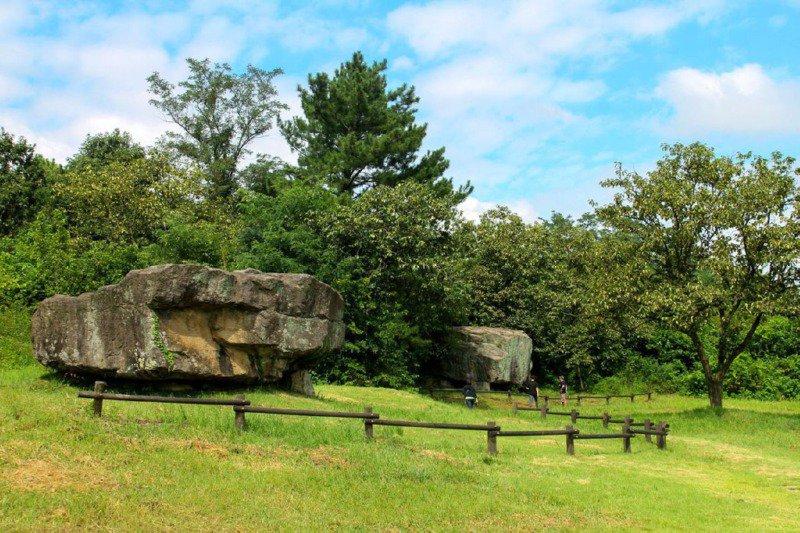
{"x": 190, "y": 322}
{"x": 491, "y": 355}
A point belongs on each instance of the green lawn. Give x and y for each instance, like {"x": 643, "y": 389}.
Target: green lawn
{"x": 172, "y": 467}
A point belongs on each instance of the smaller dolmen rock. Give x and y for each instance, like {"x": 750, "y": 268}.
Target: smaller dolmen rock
{"x": 191, "y": 323}
{"x": 489, "y": 355}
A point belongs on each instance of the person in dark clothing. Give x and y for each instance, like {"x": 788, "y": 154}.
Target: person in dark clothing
{"x": 533, "y": 389}
{"x": 562, "y": 388}
{"x": 470, "y": 395}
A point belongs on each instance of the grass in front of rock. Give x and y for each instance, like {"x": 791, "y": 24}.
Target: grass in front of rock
{"x": 174, "y": 467}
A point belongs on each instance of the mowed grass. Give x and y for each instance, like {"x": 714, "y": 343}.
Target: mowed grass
{"x": 172, "y": 467}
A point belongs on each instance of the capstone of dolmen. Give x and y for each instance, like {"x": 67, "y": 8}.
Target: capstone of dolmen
{"x": 488, "y": 355}
{"x": 191, "y": 323}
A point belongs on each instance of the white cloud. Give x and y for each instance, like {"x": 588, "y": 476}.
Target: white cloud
{"x": 11, "y": 88}
{"x": 498, "y": 80}
{"x": 89, "y": 64}
{"x": 472, "y": 209}
{"x": 402, "y": 63}
{"x": 536, "y": 29}
{"x": 744, "y": 100}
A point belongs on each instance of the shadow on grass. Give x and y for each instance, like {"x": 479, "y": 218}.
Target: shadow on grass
{"x": 182, "y": 389}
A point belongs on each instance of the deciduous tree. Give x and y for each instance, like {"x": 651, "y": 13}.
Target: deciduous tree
{"x": 219, "y": 113}
{"x": 712, "y": 246}
{"x": 23, "y": 177}
{"x": 104, "y": 148}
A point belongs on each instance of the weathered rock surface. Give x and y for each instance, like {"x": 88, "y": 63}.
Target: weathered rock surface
{"x": 301, "y": 383}
{"x": 491, "y": 355}
{"x": 190, "y": 322}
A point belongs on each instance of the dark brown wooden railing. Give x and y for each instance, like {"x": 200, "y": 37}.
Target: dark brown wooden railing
{"x": 241, "y": 407}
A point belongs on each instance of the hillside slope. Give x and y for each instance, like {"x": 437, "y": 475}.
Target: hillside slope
{"x": 172, "y": 467}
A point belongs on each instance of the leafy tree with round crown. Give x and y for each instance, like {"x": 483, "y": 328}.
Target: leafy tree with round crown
{"x": 712, "y": 246}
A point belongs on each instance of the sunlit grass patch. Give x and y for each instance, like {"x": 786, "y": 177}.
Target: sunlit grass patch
{"x": 168, "y": 467}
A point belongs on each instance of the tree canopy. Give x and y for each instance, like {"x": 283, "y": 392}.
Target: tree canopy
{"x": 23, "y": 176}
{"x": 218, "y": 114}
{"x": 712, "y": 246}
{"x": 686, "y": 281}
{"x": 357, "y": 133}
{"x": 103, "y": 149}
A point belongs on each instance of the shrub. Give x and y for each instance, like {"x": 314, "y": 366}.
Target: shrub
{"x": 15, "y": 331}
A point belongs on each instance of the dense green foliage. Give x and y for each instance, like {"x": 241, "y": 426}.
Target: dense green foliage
{"x": 540, "y": 278}
{"x": 686, "y": 282}
{"x": 218, "y": 114}
{"x": 356, "y": 133}
{"x": 711, "y": 246}
{"x": 23, "y": 178}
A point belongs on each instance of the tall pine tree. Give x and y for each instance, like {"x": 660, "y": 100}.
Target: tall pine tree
{"x": 356, "y": 133}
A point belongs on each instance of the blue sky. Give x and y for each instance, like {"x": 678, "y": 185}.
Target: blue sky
{"x": 534, "y": 101}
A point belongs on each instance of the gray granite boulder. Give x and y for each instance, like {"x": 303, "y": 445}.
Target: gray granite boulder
{"x": 191, "y": 323}
{"x": 491, "y": 355}
{"x": 300, "y": 382}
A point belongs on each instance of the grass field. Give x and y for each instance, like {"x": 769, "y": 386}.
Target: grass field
{"x": 171, "y": 467}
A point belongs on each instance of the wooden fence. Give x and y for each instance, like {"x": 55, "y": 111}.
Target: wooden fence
{"x": 241, "y": 407}
{"x": 581, "y": 397}
{"x": 649, "y": 427}
{"x": 547, "y": 398}
{"x": 508, "y": 393}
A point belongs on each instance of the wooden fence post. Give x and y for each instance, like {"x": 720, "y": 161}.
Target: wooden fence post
{"x": 99, "y": 387}
{"x": 606, "y": 417}
{"x": 543, "y": 409}
{"x": 239, "y": 420}
{"x": 570, "y": 440}
{"x": 491, "y": 438}
{"x": 648, "y": 426}
{"x": 626, "y": 440}
{"x": 573, "y": 415}
{"x": 661, "y": 440}
{"x": 368, "y": 422}
{"x": 608, "y": 400}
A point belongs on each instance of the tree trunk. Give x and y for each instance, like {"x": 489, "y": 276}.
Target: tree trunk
{"x": 714, "y": 379}
{"x": 714, "y": 391}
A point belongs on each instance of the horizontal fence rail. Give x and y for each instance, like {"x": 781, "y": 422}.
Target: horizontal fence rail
{"x": 607, "y": 397}
{"x": 626, "y": 437}
{"x": 370, "y": 419}
{"x": 569, "y": 433}
{"x": 548, "y": 398}
{"x": 537, "y": 432}
{"x": 240, "y": 422}
{"x": 98, "y": 395}
{"x": 490, "y": 428}
{"x": 660, "y": 430}
{"x": 305, "y": 412}
{"x": 432, "y": 425}
{"x": 162, "y": 399}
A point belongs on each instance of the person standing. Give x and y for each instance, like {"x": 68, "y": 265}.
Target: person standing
{"x": 470, "y": 395}
{"x": 533, "y": 389}
{"x": 562, "y": 388}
